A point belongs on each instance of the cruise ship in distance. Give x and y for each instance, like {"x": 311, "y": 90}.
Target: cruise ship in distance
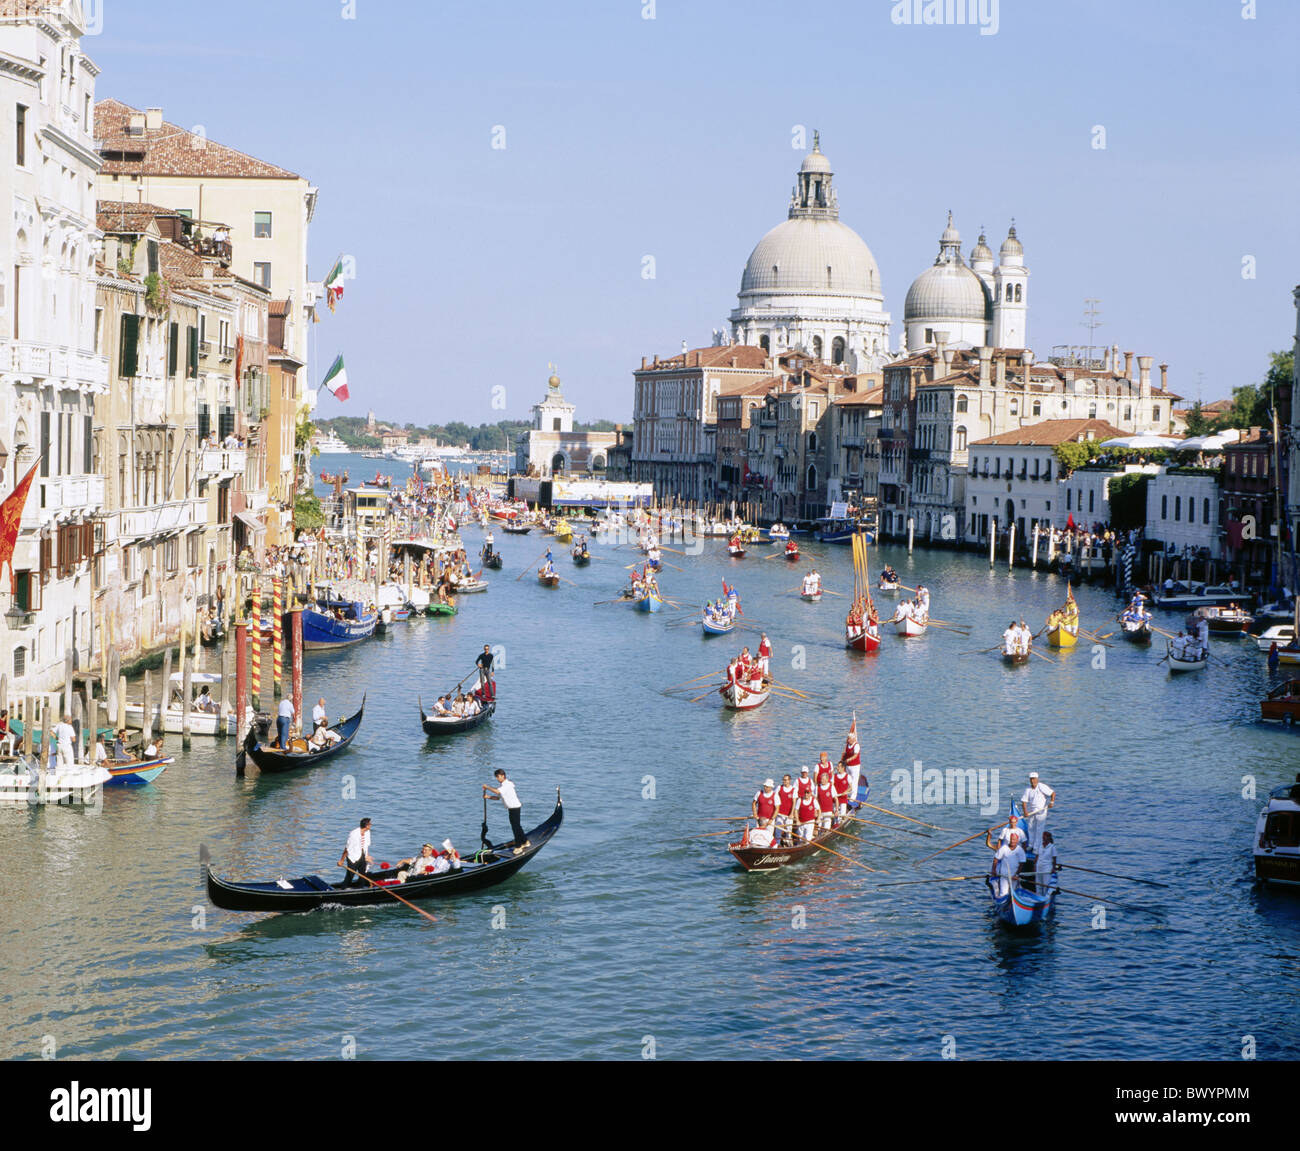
{"x": 330, "y": 445}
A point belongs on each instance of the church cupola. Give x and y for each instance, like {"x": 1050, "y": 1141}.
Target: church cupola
{"x": 813, "y": 195}
{"x": 981, "y": 256}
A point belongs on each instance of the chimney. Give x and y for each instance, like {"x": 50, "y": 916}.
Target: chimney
{"x": 944, "y": 354}
{"x": 153, "y": 119}
{"x": 1000, "y": 372}
{"x": 643, "y": 363}
{"x": 1128, "y": 365}
{"x": 1144, "y": 375}
{"x": 986, "y": 356}
{"x": 683, "y": 347}
{"x": 733, "y": 361}
{"x": 135, "y": 126}
{"x": 1164, "y": 377}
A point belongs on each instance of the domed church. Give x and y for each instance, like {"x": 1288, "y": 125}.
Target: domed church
{"x": 976, "y": 306}
{"x": 812, "y": 283}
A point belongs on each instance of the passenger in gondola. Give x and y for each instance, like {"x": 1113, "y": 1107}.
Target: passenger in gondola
{"x": 120, "y": 754}
{"x": 761, "y": 836}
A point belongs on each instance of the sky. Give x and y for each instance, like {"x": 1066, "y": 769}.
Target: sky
{"x": 499, "y": 171}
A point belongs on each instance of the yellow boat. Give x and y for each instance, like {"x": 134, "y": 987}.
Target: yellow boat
{"x": 1063, "y": 624}
{"x": 563, "y": 531}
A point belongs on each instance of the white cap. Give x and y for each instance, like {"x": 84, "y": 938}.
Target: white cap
{"x": 804, "y": 770}
{"x": 1033, "y": 775}
{"x": 768, "y": 783}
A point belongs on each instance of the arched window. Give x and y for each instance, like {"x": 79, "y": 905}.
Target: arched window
{"x": 812, "y": 442}
{"x": 837, "y": 350}
{"x": 812, "y": 477}
{"x": 1017, "y": 293}
{"x": 1164, "y": 507}
{"x": 597, "y": 463}
{"x": 1008, "y": 293}
{"x": 764, "y": 343}
{"x": 1178, "y": 508}
{"x": 962, "y": 403}
{"x": 817, "y": 347}
{"x": 961, "y": 439}
{"x": 1038, "y": 407}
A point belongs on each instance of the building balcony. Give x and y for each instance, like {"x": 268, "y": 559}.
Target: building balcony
{"x": 69, "y": 494}
{"x": 168, "y": 517}
{"x": 852, "y": 441}
{"x": 46, "y": 361}
{"x": 222, "y": 463}
{"x": 257, "y": 500}
{"x": 227, "y": 351}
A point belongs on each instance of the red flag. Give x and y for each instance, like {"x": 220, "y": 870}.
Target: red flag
{"x": 11, "y": 514}
{"x": 239, "y": 360}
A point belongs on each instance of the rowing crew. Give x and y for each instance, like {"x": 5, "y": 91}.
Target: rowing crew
{"x": 913, "y": 610}
{"x": 812, "y": 583}
{"x": 796, "y": 811}
{"x": 1136, "y": 612}
{"x": 1017, "y": 639}
{"x": 888, "y": 576}
{"x": 720, "y": 612}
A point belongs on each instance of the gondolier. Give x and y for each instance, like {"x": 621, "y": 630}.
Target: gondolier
{"x": 283, "y": 723}
{"x": 1037, "y": 799}
{"x": 852, "y": 761}
{"x": 765, "y": 654}
{"x": 484, "y": 664}
{"x": 356, "y": 855}
{"x": 505, "y": 792}
{"x": 1006, "y": 864}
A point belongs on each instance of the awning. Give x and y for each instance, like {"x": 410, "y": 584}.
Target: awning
{"x": 250, "y": 521}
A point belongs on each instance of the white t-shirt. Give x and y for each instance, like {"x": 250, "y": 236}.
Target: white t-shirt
{"x": 358, "y": 844}
{"x": 508, "y": 795}
{"x": 1005, "y": 837}
{"x": 1046, "y": 861}
{"x": 286, "y": 709}
{"x": 318, "y": 715}
{"x": 65, "y": 733}
{"x": 1008, "y": 861}
{"x": 760, "y": 837}
{"x": 1035, "y": 799}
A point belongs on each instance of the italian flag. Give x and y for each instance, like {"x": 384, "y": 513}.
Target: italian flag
{"x": 334, "y": 283}
{"x": 336, "y": 380}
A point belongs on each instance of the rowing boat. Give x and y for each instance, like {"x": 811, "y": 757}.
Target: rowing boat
{"x": 1023, "y": 906}
{"x": 862, "y": 638}
{"x": 271, "y": 760}
{"x": 470, "y": 586}
{"x": 1015, "y": 658}
{"x": 909, "y": 626}
{"x": 435, "y": 724}
{"x": 811, "y": 596}
{"x": 1063, "y": 623}
{"x": 647, "y": 601}
{"x": 433, "y": 607}
{"x": 1136, "y": 630}
{"x": 738, "y": 697}
{"x": 548, "y": 580}
{"x": 517, "y": 529}
{"x": 581, "y": 558}
{"x": 1187, "y": 658}
{"x": 736, "y": 551}
{"x": 717, "y": 626}
{"x": 486, "y": 867}
{"x": 135, "y": 772}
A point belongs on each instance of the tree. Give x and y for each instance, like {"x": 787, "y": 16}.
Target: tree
{"x": 308, "y": 515}
{"x": 1198, "y": 423}
{"x": 1252, "y": 406}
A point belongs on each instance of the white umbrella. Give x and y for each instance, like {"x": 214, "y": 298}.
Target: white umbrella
{"x": 1211, "y": 443}
{"x": 1141, "y": 441}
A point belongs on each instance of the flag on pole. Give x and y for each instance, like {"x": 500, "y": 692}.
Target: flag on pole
{"x": 334, "y": 283}
{"x": 336, "y": 380}
{"x": 11, "y": 514}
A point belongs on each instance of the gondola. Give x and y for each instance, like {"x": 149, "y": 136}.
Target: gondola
{"x": 492, "y": 560}
{"x": 1023, "y": 906}
{"x": 1136, "y": 630}
{"x": 490, "y": 865}
{"x": 434, "y": 724}
{"x": 517, "y": 529}
{"x": 581, "y": 558}
{"x": 548, "y": 580}
{"x": 270, "y": 760}
{"x": 1187, "y": 658}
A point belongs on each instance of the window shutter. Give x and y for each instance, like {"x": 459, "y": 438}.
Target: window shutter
{"x": 129, "y": 364}
{"x": 88, "y": 425}
{"x": 173, "y": 350}
{"x": 45, "y": 443}
{"x": 192, "y": 352}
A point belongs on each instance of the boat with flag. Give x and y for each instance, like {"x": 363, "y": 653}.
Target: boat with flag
{"x": 862, "y": 624}
{"x": 1063, "y": 623}
{"x": 1025, "y": 897}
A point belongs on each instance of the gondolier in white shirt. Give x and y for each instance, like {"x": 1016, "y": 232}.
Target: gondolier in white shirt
{"x": 505, "y": 792}
{"x": 1006, "y": 864}
{"x": 1037, "y": 799}
{"x": 1010, "y": 638}
{"x": 356, "y": 854}
{"x": 1046, "y": 865}
{"x": 283, "y": 724}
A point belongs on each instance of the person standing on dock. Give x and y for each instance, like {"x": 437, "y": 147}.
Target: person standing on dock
{"x": 1037, "y": 799}
{"x": 505, "y": 792}
{"x": 356, "y": 854}
{"x": 65, "y": 736}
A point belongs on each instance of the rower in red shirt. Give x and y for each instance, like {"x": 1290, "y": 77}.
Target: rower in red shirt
{"x": 785, "y": 802}
{"x": 805, "y": 816}
{"x": 825, "y": 802}
{"x": 764, "y": 805}
{"x": 805, "y": 784}
{"x": 840, "y": 785}
{"x": 824, "y": 767}
{"x": 765, "y": 654}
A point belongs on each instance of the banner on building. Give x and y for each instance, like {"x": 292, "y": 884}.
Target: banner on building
{"x": 11, "y": 514}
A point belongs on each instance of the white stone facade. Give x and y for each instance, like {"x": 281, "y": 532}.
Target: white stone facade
{"x": 1183, "y": 511}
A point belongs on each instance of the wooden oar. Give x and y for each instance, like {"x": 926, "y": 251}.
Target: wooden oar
{"x": 900, "y": 815}
{"x": 870, "y": 842}
{"x": 530, "y": 566}
{"x": 982, "y": 651}
{"x": 873, "y": 870}
{"x": 1042, "y": 656}
{"x": 706, "y": 675}
{"x": 958, "y": 843}
{"x": 1112, "y": 875}
{"x": 394, "y": 894}
{"x": 889, "y": 827}
{"x": 563, "y": 580}
{"x": 787, "y": 687}
{"x": 708, "y": 693}
{"x": 936, "y": 879}
{"x": 1161, "y": 631}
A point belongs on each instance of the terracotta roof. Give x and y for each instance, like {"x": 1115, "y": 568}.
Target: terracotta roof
{"x": 748, "y": 387}
{"x": 1049, "y": 433}
{"x": 11, "y": 9}
{"x": 170, "y": 150}
{"x": 278, "y": 308}
{"x": 873, "y": 397}
{"x": 747, "y": 356}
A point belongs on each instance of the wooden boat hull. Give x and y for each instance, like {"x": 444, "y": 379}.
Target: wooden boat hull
{"x": 324, "y": 631}
{"x": 1015, "y": 658}
{"x": 1178, "y": 664}
{"x": 910, "y": 627}
{"x": 581, "y": 559}
{"x": 454, "y": 725}
{"x": 493, "y": 865}
{"x": 736, "y": 553}
{"x": 136, "y": 774}
{"x": 711, "y": 628}
{"x": 811, "y": 597}
{"x": 793, "y": 556}
{"x": 271, "y": 761}
{"x": 1062, "y": 636}
{"x": 861, "y": 639}
{"x": 517, "y": 529}
{"x": 1022, "y": 908}
{"x": 774, "y": 858}
{"x": 648, "y": 603}
{"x": 493, "y": 561}
{"x": 737, "y": 697}
{"x": 1139, "y": 635}
{"x": 549, "y": 581}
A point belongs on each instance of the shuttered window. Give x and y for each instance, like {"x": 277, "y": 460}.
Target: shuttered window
{"x": 45, "y": 444}
{"x": 191, "y": 352}
{"x": 87, "y": 447}
{"x": 173, "y": 349}
{"x": 129, "y": 361}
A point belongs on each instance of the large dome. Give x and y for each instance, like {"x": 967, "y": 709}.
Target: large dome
{"x": 947, "y": 292}
{"x": 811, "y": 256}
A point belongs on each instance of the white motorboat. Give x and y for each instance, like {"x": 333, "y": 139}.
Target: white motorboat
{"x": 205, "y": 718}
{"x": 1280, "y": 634}
{"x": 1183, "y": 598}
{"x": 22, "y": 783}
{"x": 1277, "y": 837}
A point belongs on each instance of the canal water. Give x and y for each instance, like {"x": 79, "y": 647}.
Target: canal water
{"x": 627, "y": 937}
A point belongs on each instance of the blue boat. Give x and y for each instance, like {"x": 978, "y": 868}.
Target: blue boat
{"x": 336, "y": 623}
{"x": 711, "y": 627}
{"x": 134, "y": 774}
{"x": 648, "y": 601}
{"x": 1022, "y": 907}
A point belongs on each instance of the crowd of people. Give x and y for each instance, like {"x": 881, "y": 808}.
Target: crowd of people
{"x": 815, "y": 802}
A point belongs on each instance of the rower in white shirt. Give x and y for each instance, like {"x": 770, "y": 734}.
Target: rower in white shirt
{"x": 1045, "y": 865}
{"x": 761, "y": 836}
{"x": 1038, "y": 797}
{"x": 1006, "y": 864}
{"x": 1010, "y": 638}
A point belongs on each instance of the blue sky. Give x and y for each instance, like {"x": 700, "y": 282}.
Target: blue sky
{"x": 671, "y": 137}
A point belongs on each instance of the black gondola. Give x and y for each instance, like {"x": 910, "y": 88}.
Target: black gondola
{"x": 486, "y": 867}
{"x": 581, "y": 558}
{"x": 211, "y": 631}
{"x": 492, "y": 560}
{"x": 453, "y": 724}
{"x": 270, "y": 759}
